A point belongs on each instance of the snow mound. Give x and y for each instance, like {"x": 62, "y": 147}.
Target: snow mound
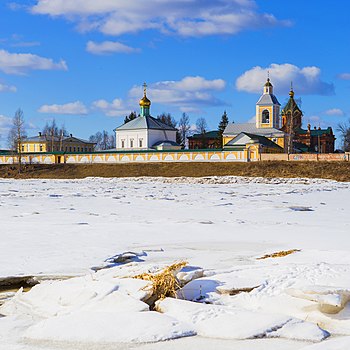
{"x": 81, "y": 293}
{"x": 300, "y": 330}
{"x": 341, "y": 343}
{"x": 100, "y": 327}
{"x": 215, "y": 321}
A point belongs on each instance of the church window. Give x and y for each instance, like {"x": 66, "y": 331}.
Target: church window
{"x": 132, "y": 143}
{"x": 70, "y": 148}
{"x": 41, "y": 148}
{"x": 123, "y": 143}
{"x": 22, "y": 148}
{"x": 74, "y": 149}
{"x": 265, "y": 116}
{"x": 140, "y": 142}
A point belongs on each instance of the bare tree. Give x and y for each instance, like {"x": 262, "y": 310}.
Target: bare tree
{"x": 344, "y": 129}
{"x": 16, "y": 136}
{"x": 52, "y": 131}
{"x": 201, "y": 125}
{"x": 184, "y": 128}
{"x": 103, "y": 140}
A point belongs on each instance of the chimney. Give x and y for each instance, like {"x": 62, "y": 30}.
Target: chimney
{"x": 314, "y": 127}
{"x": 39, "y": 133}
{"x": 319, "y": 128}
{"x": 309, "y": 127}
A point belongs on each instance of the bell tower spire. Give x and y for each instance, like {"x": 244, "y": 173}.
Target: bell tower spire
{"x": 268, "y": 108}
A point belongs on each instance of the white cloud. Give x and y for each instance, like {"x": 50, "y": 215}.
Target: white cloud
{"x": 334, "y": 112}
{"x": 7, "y": 88}
{"x": 188, "y": 94}
{"x": 20, "y": 63}
{"x": 76, "y": 107}
{"x": 116, "y": 108}
{"x": 305, "y": 80}
{"x": 108, "y": 47}
{"x": 344, "y": 76}
{"x": 185, "y": 18}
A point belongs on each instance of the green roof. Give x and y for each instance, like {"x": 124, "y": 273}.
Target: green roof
{"x": 316, "y": 132}
{"x": 214, "y": 134}
{"x": 291, "y": 106}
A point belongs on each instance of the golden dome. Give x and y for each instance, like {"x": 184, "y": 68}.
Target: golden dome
{"x": 291, "y": 93}
{"x": 268, "y": 82}
{"x": 145, "y": 102}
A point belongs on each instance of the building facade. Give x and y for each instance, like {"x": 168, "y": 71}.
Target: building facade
{"x": 208, "y": 140}
{"x": 50, "y": 143}
{"x": 287, "y": 133}
{"x": 145, "y": 132}
{"x": 267, "y": 120}
{"x": 304, "y": 140}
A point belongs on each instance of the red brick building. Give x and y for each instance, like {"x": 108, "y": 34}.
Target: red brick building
{"x": 304, "y": 140}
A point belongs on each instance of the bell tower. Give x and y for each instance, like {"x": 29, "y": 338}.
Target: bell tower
{"x": 268, "y": 108}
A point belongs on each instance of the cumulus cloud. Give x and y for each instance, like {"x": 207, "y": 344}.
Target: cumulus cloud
{"x": 108, "y": 47}
{"x": 116, "y": 108}
{"x": 188, "y": 94}
{"x": 76, "y": 107}
{"x": 305, "y": 80}
{"x": 7, "y": 88}
{"x": 185, "y": 18}
{"x": 20, "y": 63}
{"x": 334, "y": 112}
{"x": 344, "y": 76}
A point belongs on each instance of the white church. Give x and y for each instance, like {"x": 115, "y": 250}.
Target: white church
{"x": 145, "y": 132}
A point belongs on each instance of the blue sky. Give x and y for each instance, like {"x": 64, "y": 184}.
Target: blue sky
{"x": 83, "y": 62}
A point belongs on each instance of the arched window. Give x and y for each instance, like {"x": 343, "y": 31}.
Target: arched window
{"x": 265, "y": 116}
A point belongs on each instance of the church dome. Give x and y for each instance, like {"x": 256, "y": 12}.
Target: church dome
{"x": 145, "y": 102}
{"x": 268, "y": 82}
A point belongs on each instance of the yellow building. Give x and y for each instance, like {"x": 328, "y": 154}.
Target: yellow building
{"x": 267, "y": 120}
{"x": 47, "y": 143}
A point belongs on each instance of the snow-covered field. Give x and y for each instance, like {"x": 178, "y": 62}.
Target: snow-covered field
{"x": 220, "y": 226}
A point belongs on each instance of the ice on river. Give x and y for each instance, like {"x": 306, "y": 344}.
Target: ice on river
{"x": 219, "y": 225}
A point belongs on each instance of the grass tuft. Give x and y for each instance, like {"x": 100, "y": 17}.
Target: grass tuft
{"x": 280, "y": 254}
{"x": 164, "y": 283}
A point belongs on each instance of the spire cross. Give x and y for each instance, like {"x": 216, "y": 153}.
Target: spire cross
{"x": 291, "y": 86}
{"x": 268, "y": 75}
{"x": 144, "y": 89}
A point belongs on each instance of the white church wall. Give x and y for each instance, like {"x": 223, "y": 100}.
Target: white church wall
{"x": 131, "y": 139}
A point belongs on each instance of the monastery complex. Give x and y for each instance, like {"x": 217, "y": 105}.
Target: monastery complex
{"x": 276, "y": 134}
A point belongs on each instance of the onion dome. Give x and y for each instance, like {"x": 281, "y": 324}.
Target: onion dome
{"x": 268, "y": 82}
{"x": 145, "y": 102}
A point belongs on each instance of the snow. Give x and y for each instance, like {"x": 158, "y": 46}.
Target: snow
{"x": 106, "y": 327}
{"x": 97, "y": 234}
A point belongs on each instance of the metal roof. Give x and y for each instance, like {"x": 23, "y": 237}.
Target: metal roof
{"x": 235, "y": 129}
{"x": 166, "y": 143}
{"x": 243, "y": 137}
{"x": 49, "y": 138}
{"x": 214, "y": 134}
{"x": 268, "y": 99}
{"x": 145, "y": 122}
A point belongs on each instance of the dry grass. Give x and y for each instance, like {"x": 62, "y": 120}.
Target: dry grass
{"x": 339, "y": 171}
{"x": 164, "y": 283}
{"x": 280, "y": 254}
